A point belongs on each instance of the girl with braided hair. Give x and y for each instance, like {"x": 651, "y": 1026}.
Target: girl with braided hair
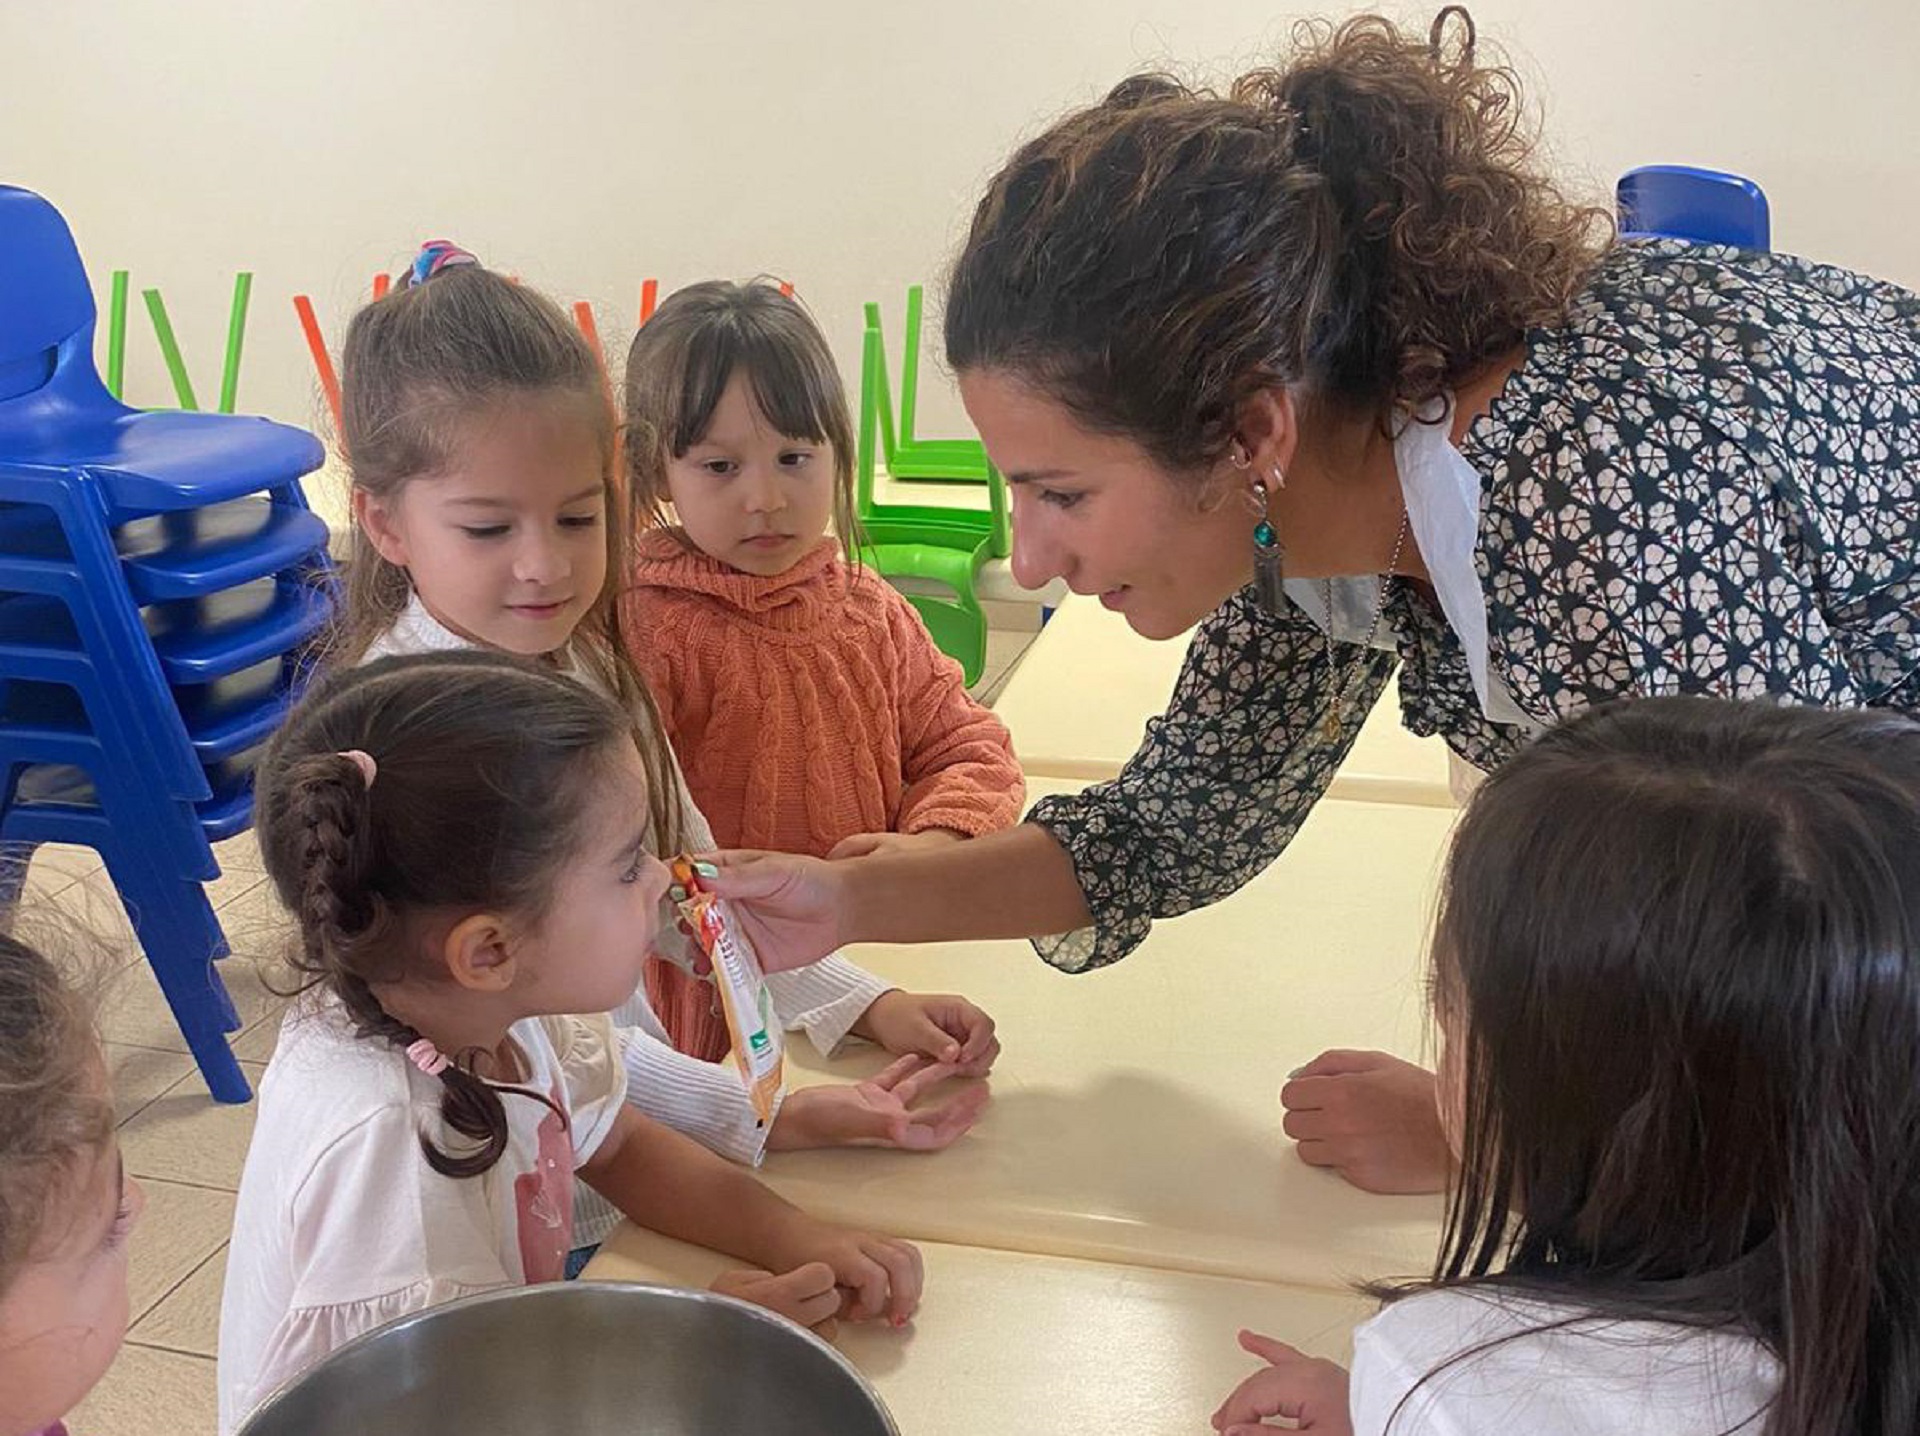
{"x": 463, "y": 840}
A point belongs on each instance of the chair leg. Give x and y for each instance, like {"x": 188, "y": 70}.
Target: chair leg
{"x": 182, "y": 939}
{"x": 15, "y": 859}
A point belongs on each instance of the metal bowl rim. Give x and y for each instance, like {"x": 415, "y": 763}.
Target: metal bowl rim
{"x": 522, "y": 1293}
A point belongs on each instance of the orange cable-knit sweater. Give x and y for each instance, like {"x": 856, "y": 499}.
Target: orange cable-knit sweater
{"x": 805, "y": 708}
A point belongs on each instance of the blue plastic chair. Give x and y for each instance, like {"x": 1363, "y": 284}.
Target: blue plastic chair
{"x": 160, "y": 576}
{"x": 1704, "y": 206}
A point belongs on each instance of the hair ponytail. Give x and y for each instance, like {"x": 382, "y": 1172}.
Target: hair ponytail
{"x": 1363, "y": 220}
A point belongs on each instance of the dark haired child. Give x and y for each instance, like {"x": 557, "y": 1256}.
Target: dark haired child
{"x": 812, "y": 710}
{"x": 1677, "y": 978}
{"x": 463, "y": 841}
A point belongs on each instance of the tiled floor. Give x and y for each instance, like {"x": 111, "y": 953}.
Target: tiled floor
{"x": 186, "y": 1150}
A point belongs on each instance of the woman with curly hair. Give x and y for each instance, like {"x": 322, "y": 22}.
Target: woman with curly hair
{"x": 1327, "y": 366}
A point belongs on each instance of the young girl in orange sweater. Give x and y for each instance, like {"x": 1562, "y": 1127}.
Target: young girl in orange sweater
{"x": 810, "y": 709}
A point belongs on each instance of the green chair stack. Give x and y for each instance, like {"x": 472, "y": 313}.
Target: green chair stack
{"x": 927, "y": 542}
{"x": 909, "y": 456}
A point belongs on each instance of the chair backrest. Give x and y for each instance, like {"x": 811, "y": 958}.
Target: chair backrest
{"x": 45, "y": 299}
{"x": 881, "y": 394}
{"x": 995, "y": 523}
{"x": 1704, "y": 206}
{"x": 910, "y": 367}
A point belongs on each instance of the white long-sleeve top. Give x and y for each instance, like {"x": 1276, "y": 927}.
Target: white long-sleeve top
{"x": 705, "y": 1100}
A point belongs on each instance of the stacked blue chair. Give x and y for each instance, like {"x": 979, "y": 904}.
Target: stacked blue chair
{"x": 1704, "y": 206}
{"x": 160, "y": 576}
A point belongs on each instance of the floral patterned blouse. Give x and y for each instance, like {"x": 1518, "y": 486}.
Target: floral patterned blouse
{"x": 1707, "y": 481}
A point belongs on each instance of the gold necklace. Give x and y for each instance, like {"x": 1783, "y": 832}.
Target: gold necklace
{"x": 1343, "y": 682}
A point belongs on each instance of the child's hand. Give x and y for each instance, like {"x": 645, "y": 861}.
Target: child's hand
{"x": 937, "y": 1025}
{"x": 876, "y": 1275}
{"x": 1373, "y": 1118}
{"x": 806, "y": 1294}
{"x": 862, "y": 845}
{"x": 879, "y": 1112}
{"x": 1299, "y": 1388}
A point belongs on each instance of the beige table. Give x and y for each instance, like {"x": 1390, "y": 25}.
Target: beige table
{"x": 1006, "y": 1342}
{"x": 1136, "y": 1115}
{"x": 1078, "y": 705}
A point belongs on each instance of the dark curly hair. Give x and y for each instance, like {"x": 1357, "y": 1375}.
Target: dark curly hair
{"x": 1363, "y": 220}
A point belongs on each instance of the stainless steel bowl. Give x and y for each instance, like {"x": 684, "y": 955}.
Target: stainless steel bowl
{"x": 583, "y": 1359}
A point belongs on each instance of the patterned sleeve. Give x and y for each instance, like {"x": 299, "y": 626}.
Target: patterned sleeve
{"x": 1220, "y": 784}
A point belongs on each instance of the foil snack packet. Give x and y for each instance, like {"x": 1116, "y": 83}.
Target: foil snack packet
{"x": 758, "y": 1054}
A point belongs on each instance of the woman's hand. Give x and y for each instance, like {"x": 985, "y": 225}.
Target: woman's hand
{"x": 863, "y": 845}
{"x": 938, "y": 1025}
{"x": 879, "y": 1112}
{"x": 876, "y": 1275}
{"x": 807, "y": 1294}
{"x": 790, "y": 907}
{"x": 1296, "y": 1387}
{"x": 1372, "y": 1118}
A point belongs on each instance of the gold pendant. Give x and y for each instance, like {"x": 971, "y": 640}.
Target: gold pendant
{"x": 1330, "y": 725}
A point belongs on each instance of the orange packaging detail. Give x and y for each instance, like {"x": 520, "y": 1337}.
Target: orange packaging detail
{"x": 757, "y": 1053}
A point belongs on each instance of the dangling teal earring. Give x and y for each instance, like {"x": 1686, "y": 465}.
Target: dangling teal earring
{"x": 1269, "y": 554}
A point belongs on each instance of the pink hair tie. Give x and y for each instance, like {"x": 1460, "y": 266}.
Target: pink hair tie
{"x": 428, "y": 1058}
{"x": 364, "y": 762}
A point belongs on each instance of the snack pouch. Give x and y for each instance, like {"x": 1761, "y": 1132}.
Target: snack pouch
{"x": 758, "y": 1054}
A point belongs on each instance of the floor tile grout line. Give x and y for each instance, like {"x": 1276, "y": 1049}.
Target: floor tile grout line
{"x": 195, "y": 1186}
{"x": 213, "y": 1256}
{"x": 171, "y": 1350}
{"x": 172, "y": 1181}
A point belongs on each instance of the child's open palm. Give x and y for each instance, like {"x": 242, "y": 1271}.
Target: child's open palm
{"x": 880, "y": 1112}
{"x": 1295, "y": 1387}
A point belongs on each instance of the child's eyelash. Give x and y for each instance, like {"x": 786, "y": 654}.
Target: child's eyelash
{"x": 122, "y": 1225}
{"x": 485, "y": 531}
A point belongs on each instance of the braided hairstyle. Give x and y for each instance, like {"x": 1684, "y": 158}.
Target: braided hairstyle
{"x": 485, "y": 766}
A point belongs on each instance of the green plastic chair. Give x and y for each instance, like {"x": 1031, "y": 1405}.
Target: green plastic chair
{"x": 908, "y": 455}
{"x": 928, "y": 542}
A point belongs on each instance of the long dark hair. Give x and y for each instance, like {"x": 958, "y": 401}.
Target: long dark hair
{"x": 1680, "y": 945}
{"x": 417, "y": 367}
{"x": 1364, "y": 219}
{"x": 485, "y": 764}
{"x": 682, "y": 360}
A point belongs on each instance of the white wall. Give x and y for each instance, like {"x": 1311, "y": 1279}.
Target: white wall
{"x": 587, "y": 144}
